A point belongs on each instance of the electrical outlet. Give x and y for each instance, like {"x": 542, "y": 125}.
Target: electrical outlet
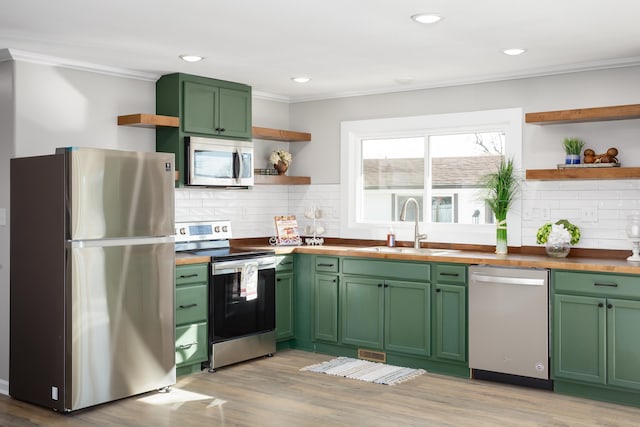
{"x": 545, "y": 213}
{"x": 589, "y": 214}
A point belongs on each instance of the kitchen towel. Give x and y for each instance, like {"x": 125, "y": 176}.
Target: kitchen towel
{"x": 249, "y": 281}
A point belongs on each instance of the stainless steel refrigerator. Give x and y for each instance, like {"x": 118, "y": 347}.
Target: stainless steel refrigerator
{"x": 92, "y": 276}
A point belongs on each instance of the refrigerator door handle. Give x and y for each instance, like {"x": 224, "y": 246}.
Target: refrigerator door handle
{"x": 119, "y": 242}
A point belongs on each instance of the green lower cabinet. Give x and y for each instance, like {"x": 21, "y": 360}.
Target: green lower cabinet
{"x": 284, "y": 306}
{"x": 579, "y": 340}
{"x": 407, "y": 321}
{"x": 361, "y": 312}
{"x": 191, "y": 312}
{"x": 390, "y": 315}
{"x": 450, "y": 317}
{"x": 596, "y": 338}
{"x": 325, "y": 308}
{"x": 623, "y": 343}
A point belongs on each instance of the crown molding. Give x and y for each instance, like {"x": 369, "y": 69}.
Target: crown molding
{"x": 36, "y": 58}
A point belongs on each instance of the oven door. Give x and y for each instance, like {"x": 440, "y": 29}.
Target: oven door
{"x": 213, "y": 162}
{"x": 234, "y": 313}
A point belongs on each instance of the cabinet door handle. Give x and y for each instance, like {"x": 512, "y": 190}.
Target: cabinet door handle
{"x": 437, "y": 289}
{"x": 450, "y": 274}
{"x": 286, "y": 263}
{"x": 278, "y": 280}
{"x": 186, "y": 276}
{"x": 609, "y": 306}
{"x": 186, "y": 346}
{"x": 325, "y": 265}
{"x": 188, "y": 306}
{"x": 611, "y": 285}
{"x": 379, "y": 285}
{"x": 222, "y": 129}
{"x": 600, "y": 305}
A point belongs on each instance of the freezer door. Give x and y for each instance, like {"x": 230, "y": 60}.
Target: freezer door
{"x": 121, "y": 326}
{"x": 113, "y": 193}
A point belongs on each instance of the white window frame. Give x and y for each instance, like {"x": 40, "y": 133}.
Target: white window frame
{"x": 352, "y": 132}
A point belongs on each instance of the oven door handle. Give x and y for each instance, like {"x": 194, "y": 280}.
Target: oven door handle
{"x": 231, "y": 267}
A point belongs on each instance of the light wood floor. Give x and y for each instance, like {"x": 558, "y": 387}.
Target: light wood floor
{"x": 273, "y": 392}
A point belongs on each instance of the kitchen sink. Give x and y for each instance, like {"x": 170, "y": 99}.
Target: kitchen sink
{"x": 407, "y": 250}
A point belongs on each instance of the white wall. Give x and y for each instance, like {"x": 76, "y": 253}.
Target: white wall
{"x": 612, "y": 200}
{"x": 6, "y": 152}
{"x": 59, "y": 107}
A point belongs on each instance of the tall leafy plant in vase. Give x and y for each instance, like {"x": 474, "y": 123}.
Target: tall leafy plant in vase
{"x": 501, "y": 188}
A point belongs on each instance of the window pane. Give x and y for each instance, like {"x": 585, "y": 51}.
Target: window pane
{"x": 458, "y": 164}
{"x": 393, "y": 170}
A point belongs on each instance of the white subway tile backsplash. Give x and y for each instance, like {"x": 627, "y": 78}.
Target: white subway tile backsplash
{"x": 251, "y": 211}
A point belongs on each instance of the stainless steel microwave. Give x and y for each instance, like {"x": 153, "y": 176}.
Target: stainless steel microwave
{"x": 219, "y": 162}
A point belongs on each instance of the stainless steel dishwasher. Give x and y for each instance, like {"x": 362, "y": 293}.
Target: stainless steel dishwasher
{"x": 509, "y": 325}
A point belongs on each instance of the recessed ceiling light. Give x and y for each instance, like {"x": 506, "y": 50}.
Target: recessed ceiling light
{"x": 426, "y": 18}
{"x": 301, "y": 79}
{"x": 191, "y": 58}
{"x": 514, "y": 51}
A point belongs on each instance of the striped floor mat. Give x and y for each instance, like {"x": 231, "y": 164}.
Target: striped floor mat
{"x": 364, "y": 370}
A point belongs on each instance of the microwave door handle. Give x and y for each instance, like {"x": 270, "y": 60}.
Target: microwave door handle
{"x": 237, "y": 165}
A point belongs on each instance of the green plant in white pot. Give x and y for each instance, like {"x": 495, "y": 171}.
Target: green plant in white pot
{"x": 502, "y": 187}
{"x": 572, "y": 148}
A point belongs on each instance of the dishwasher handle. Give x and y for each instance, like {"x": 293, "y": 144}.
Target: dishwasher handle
{"x": 507, "y": 280}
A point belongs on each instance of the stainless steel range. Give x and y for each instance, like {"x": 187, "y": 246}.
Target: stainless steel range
{"x": 242, "y": 314}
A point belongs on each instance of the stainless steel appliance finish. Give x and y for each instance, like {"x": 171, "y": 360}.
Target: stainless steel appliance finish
{"x": 240, "y": 328}
{"x": 509, "y": 321}
{"x": 219, "y": 162}
{"x": 92, "y": 277}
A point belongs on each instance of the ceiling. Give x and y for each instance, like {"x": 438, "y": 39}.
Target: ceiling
{"x": 347, "y": 47}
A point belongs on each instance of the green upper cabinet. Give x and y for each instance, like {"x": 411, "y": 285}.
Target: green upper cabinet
{"x": 206, "y": 107}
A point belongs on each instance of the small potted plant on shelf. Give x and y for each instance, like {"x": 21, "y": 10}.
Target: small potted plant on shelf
{"x": 558, "y": 237}
{"x": 280, "y": 160}
{"x": 572, "y": 148}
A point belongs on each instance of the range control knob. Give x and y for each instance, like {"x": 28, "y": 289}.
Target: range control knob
{"x": 182, "y": 230}
{"x": 224, "y": 228}
{"x": 216, "y": 229}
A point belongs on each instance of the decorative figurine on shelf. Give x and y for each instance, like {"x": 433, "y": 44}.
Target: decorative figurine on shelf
{"x": 558, "y": 237}
{"x": 590, "y": 156}
{"x": 280, "y": 160}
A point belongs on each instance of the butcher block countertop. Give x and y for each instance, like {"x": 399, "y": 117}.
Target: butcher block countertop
{"x": 186, "y": 259}
{"x": 605, "y": 263}
{"x": 599, "y": 261}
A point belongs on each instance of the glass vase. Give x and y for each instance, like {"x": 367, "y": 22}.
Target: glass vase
{"x": 560, "y": 250}
{"x": 501, "y": 238}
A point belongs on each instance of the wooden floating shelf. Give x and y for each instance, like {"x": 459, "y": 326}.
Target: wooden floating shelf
{"x": 618, "y": 112}
{"x": 583, "y": 173}
{"x": 281, "y": 180}
{"x": 148, "y": 120}
{"x": 280, "y": 135}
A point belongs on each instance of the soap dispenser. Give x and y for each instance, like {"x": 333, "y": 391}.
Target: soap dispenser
{"x": 391, "y": 237}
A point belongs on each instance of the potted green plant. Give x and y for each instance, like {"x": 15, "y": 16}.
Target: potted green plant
{"x": 558, "y": 237}
{"x": 572, "y": 148}
{"x": 502, "y": 187}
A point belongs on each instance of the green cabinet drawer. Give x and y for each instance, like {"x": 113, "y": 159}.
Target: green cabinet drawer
{"x": 419, "y": 271}
{"x": 597, "y": 284}
{"x": 284, "y": 263}
{"x": 326, "y": 263}
{"x": 450, "y": 273}
{"x": 191, "y": 344}
{"x": 197, "y": 273}
{"x": 191, "y": 304}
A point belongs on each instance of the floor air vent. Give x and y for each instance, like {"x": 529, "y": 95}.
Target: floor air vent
{"x": 373, "y": 356}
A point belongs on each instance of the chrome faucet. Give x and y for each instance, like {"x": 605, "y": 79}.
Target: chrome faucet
{"x": 403, "y": 216}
